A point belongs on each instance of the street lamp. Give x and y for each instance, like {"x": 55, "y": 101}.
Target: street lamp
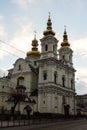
{"x": 2, "y": 100}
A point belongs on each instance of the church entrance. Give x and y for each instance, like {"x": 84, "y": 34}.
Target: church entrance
{"x": 28, "y": 110}
{"x": 66, "y": 109}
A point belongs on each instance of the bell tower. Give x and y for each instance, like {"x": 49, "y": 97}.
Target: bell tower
{"x": 65, "y": 52}
{"x": 49, "y": 42}
{"x": 47, "y": 70}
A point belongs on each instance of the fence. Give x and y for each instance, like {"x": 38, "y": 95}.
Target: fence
{"x": 14, "y": 123}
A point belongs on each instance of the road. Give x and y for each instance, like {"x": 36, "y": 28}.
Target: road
{"x": 61, "y": 125}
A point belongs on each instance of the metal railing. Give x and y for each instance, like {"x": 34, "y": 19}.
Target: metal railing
{"x": 14, "y": 123}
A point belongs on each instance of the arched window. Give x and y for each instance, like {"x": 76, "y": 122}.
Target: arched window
{"x": 63, "y": 81}
{"x": 63, "y": 57}
{"x": 71, "y": 83}
{"x": 63, "y": 99}
{"x": 55, "y": 77}
{"x": 53, "y": 49}
{"x": 34, "y": 62}
{"x": 43, "y": 102}
{"x": 45, "y": 76}
{"x": 17, "y": 81}
{"x": 46, "y": 47}
{"x": 19, "y": 67}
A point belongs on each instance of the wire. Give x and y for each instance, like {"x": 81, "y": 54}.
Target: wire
{"x": 9, "y": 52}
{"x": 11, "y": 46}
{"x": 83, "y": 54}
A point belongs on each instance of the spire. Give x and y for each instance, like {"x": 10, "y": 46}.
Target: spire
{"x": 34, "y": 43}
{"x": 34, "y": 50}
{"x": 49, "y": 30}
{"x": 65, "y": 42}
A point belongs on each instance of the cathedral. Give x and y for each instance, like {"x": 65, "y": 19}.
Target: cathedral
{"x": 44, "y": 81}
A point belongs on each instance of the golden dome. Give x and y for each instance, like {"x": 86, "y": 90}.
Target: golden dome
{"x": 65, "y": 43}
{"x": 21, "y": 76}
{"x": 34, "y": 51}
{"x": 34, "y": 42}
{"x": 49, "y": 30}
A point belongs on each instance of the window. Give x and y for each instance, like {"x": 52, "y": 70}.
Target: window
{"x": 18, "y": 82}
{"x": 63, "y": 81}
{"x": 46, "y": 47}
{"x": 55, "y": 98}
{"x": 63, "y": 57}
{"x": 53, "y": 48}
{"x": 19, "y": 67}
{"x": 63, "y": 99}
{"x": 20, "y": 91}
{"x": 43, "y": 102}
{"x": 44, "y": 94}
{"x": 69, "y": 58}
{"x": 71, "y": 83}
{"x": 45, "y": 76}
{"x": 34, "y": 62}
{"x": 55, "y": 77}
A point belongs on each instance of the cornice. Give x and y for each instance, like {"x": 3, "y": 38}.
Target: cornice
{"x": 55, "y": 61}
{"x": 49, "y": 38}
{"x": 57, "y": 87}
{"x": 18, "y": 72}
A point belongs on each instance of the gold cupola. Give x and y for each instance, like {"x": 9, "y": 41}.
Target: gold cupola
{"x": 21, "y": 76}
{"x": 34, "y": 51}
{"x": 49, "y": 30}
{"x": 65, "y": 42}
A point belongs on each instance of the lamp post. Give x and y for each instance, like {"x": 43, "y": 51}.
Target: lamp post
{"x": 2, "y": 100}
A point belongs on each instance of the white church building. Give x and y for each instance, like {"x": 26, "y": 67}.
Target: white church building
{"x": 46, "y": 79}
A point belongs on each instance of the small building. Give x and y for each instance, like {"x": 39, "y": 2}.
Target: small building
{"x": 81, "y": 104}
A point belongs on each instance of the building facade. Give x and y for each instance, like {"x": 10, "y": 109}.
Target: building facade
{"x": 48, "y": 77}
{"x": 81, "y": 104}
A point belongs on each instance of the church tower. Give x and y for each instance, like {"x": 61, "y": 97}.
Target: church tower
{"x": 65, "y": 52}
{"x": 47, "y": 70}
{"x": 49, "y": 42}
{"x": 34, "y": 54}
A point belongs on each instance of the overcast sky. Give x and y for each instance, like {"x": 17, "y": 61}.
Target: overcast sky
{"x": 19, "y": 19}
